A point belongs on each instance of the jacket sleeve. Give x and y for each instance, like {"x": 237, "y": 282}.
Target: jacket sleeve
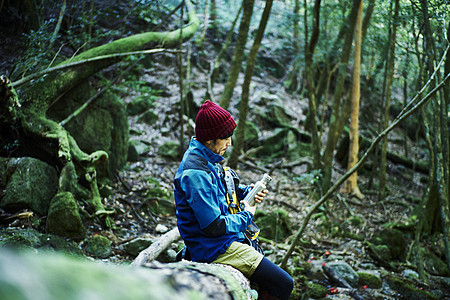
{"x": 242, "y": 191}
{"x": 203, "y": 197}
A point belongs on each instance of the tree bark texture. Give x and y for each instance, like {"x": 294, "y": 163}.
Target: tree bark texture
{"x": 351, "y": 186}
{"x": 387, "y": 100}
{"x": 337, "y": 114}
{"x": 309, "y": 53}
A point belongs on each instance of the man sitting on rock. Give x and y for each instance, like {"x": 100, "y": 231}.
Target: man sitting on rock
{"x": 211, "y": 233}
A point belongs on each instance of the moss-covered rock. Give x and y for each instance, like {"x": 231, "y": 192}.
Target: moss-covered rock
{"x": 27, "y": 276}
{"x": 382, "y": 251}
{"x": 370, "y": 279}
{"x": 169, "y": 149}
{"x": 274, "y": 225}
{"x": 103, "y": 125}
{"x": 316, "y": 291}
{"x": 32, "y": 239}
{"x": 63, "y": 218}
{"x": 139, "y": 105}
{"x": 394, "y": 240}
{"x": 135, "y": 246}
{"x": 135, "y": 149}
{"x": 98, "y": 246}
{"x": 275, "y": 144}
{"x": 284, "y": 142}
{"x": 30, "y": 184}
{"x": 342, "y": 270}
{"x": 251, "y": 139}
{"x": 407, "y": 289}
{"x": 275, "y": 115}
{"x": 149, "y": 117}
{"x": 433, "y": 264}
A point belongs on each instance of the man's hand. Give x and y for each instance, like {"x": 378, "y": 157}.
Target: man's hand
{"x": 260, "y": 196}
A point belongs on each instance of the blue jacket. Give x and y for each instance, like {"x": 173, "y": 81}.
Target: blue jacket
{"x": 203, "y": 219}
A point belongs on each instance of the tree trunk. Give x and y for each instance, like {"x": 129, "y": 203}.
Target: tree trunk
{"x": 387, "y": 101}
{"x": 309, "y": 53}
{"x": 243, "y": 112}
{"x": 238, "y": 54}
{"x": 337, "y": 114}
{"x": 351, "y": 186}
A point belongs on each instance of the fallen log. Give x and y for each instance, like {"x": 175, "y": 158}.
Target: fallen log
{"x": 155, "y": 249}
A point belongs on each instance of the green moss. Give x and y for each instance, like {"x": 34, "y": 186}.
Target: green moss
{"x": 433, "y": 264}
{"x": 382, "y": 251}
{"x": 16, "y": 241}
{"x": 316, "y": 290}
{"x": 407, "y": 289}
{"x": 63, "y": 218}
{"x": 394, "y": 240}
{"x": 169, "y": 149}
{"x": 99, "y": 246}
{"x": 30, "y": 238}
{"x": 251, "y": 135}
{"x": 355, "y": 220}
{"x": 139, "y": 105}
{"x": 149, "y": 118}
{"x": 371, "y": 280}
{"x": 32, "y": 185}
{"x": 274, "y": 225}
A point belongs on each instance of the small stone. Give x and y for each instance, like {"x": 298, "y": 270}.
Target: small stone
{"x": 161, "y": 228}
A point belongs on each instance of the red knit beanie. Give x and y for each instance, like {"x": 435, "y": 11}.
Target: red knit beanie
{"x": 213, "y": 122}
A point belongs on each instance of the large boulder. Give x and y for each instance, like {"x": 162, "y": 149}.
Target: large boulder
{"x": 284, "y": 142}
{"x": 29, "y": 183}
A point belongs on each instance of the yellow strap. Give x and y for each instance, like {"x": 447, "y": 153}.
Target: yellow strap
{"x": 236, "y": 208}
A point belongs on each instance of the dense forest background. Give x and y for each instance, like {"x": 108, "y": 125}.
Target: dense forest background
{"x": 344, "y": 103}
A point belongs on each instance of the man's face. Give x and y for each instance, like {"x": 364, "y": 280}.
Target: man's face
{"x": 219, "y": 146}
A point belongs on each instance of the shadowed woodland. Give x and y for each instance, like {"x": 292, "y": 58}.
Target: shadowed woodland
{"x": 344, "y": 103}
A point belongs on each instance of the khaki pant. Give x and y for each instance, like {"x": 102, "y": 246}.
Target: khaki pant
{"x": 242, "y": 257}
